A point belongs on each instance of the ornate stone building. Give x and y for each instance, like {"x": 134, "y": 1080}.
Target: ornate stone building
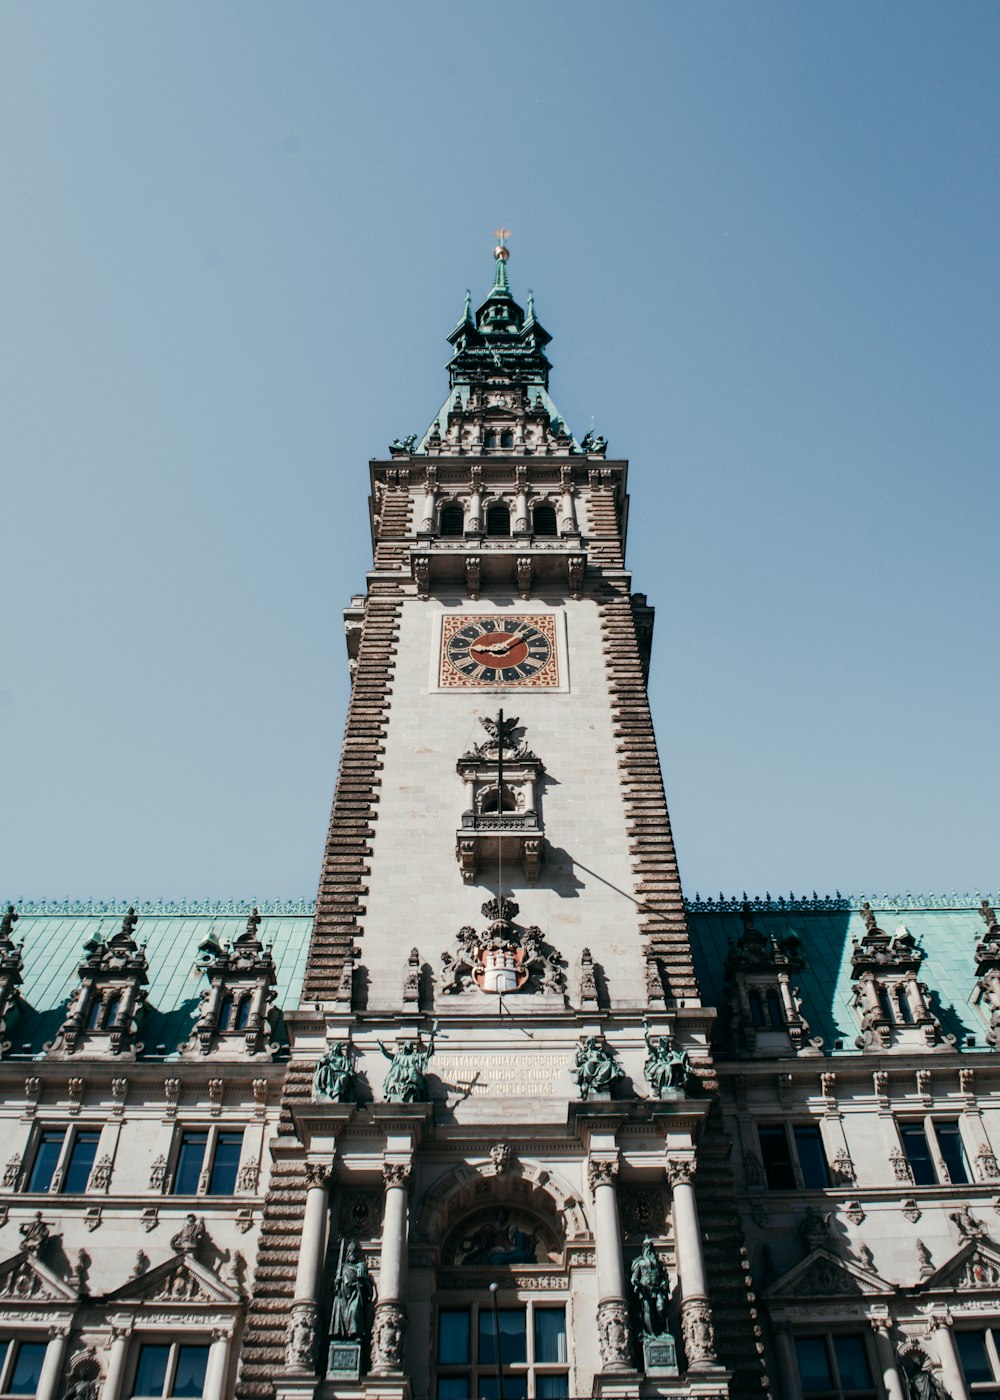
{"x": 503, "y": 1115}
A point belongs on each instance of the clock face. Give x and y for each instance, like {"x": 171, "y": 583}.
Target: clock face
{"x": 499, "y": 652}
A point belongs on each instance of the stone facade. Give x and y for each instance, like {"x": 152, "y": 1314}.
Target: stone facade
{"x": 502, "y": 1086}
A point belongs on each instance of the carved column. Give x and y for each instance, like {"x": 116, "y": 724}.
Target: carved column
{"x": 520, "y": 523}
{"x": 696, "y": 1315}
{"x": 567, "y": 525}
{"x": 300, "y": 1344}
{"x": 427, "y": 514}
{"x": 389, "y": 1327}
{"x": 612, "y": 1309}
{"x": 788, "y": 1367}
{"x": 952, "y": 1375}
{"x": 218, "y": 1367}
{"x": 50, "y": 1377}
{"x": 118, "y": 1355}
{"x": 887, "y": 1359}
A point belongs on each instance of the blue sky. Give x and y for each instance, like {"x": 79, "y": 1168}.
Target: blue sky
{"x": 764, "y": 239}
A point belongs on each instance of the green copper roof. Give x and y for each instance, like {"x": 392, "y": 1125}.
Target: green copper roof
{"x": 53, "y": 949}
{"x": 946, "y": 930}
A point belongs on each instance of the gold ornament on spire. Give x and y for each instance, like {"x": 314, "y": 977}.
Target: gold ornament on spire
{"x": 501, "y": 252}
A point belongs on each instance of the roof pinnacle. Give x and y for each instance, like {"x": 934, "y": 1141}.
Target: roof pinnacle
{"x": 501, "y": 252}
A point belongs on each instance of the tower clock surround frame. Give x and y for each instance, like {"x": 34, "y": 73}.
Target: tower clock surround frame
{"x": 550, "y": 677}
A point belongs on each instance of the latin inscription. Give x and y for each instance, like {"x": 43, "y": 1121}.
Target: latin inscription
{"x": 496, "y": 1075}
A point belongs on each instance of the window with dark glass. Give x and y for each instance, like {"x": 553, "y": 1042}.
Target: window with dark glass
{"x": 80, "y": 1161}
{"x": 543, "y": 519}
{"x": 212, "y": 1155}
{"x": 776, "y": 1154}
{"x": 225, "y": 1164}
{"x": 190, "y": 1159}
{"x": 950, "y": 1146}
{"x": 793, "y": 1155}
{"x": 21, "y": 1367}
{"x": 165, "y": 1370}
{"x": 490, "y": 440}
{"x": 835, "y": 1365}
{"x": 532, "y": 1347}
{"x": 498, "y": 520}
{"x": 932, "y": 1140}
{"x": 979, "y": 1354}
{"x": 507, "y": 438}
{"x": 812, "y": 1158}
{"x": 452, "y": 519}
{"x": 774, "y": 1012}
{"x": 47, "y": 1154}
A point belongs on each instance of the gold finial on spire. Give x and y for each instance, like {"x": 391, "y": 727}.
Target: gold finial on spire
{"x": 501, "y": 251}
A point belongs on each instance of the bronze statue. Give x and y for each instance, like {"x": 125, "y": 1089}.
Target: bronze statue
{"x": 405, "y": 1082}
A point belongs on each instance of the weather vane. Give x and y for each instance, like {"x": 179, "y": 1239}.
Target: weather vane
{"x": 500, "y": 252}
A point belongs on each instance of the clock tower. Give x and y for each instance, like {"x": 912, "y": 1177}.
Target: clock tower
{"x": 501, "y": 1173}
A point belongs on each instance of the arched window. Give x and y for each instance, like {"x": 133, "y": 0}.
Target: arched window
{"x": 507, "y": 438}
{"x": 543, "y": 519}
{"x": 498, "y": 519}
{"x": 452, "y": 519}
{"x": 490, "y": 440}
{"x": 111, "y": 1010}
{"x": 94, "y": 1014}
{"x": 903, "y": 1002}
{"x": 489, "y": 803}
{"x": 243, "y": 1014}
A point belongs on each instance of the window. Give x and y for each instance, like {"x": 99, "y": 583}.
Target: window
{"x": 166, "y": 1369}
{"x": 835, "y": 1365}
{"x": 543, "y": 518}
{"x": 507, "y": 438}
{"x": 765, "y": 1008}
{"x": 980, "y": 1357}
{"x": 452, "y": 519}
{"x": 931, "y": 1142}
{"x": 533, "y": 1352}
{"x": 21, "y": 1367}
{"x": 793, "y": 1156}
{"x": 234, "y": 1012}
{"x": 207, "y": 1162}
{"x": 498, "y": 520}
{"x": 64, "y": 1158}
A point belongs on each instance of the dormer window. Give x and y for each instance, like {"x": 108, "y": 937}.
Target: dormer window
{"x": 498, "y": 519}
{"x": 103, "y": 1013}
{"x": 766, "y": 1009}
{"x": 234, "y": 1006}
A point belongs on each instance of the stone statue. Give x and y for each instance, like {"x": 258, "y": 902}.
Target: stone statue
{"x": 651, "y": 1287}
{"x": 407, "y": 444}
{"x": 34, "y": 1233}
{"x": 333, "y": 1077}
{"x": 189, "y": 1236}
{"x": 665, "y": 1067}
{"x": 353, "y": 1291}
{"x": 83, "y": 1388}
{"x": 405, "y": 1082}
{"x": 594, "y": 1069}
{"x": 919, "y": 1381}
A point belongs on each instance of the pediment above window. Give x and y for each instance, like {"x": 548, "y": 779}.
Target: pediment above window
{"x": 823, "y": 1274}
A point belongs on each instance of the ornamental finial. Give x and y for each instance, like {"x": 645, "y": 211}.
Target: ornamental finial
{"x": 501, "y": 252}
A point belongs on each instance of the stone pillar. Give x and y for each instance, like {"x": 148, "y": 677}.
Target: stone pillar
{"x": 217, "y": 1371}
{"x": 520, "y": 525}
{"x": 567, "y": 525}
{"x": 612, "y": 1309}
{"x": 696, "y": 1315}
{"x": 116, "y": 1363}
{"x": 952, "y": 1375}
{"x": 50, "y": 1377}
{"x": 887, "y": 1359}
{"x": 300, "y": 1343}
{"x": 788, "y": 1366}
{"x": 427, "y": 514}
{"x": 389, "y": 1326}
